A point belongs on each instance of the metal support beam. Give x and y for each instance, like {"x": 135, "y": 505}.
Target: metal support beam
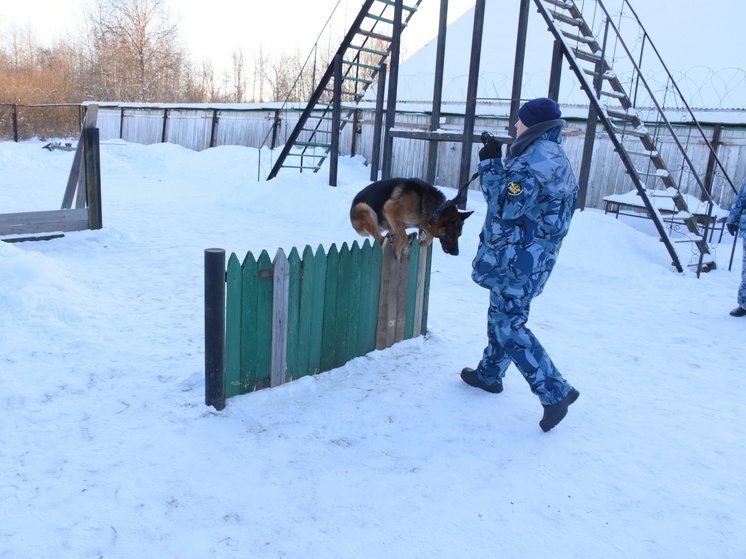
{"x": 388, "y": 142}
{"x": 520, "y": 55}
{"x": 471, "y": 95}
{"x": 336, "y": 120}
{"x": 440, "y": 54}
{"x": 378, "y": 125}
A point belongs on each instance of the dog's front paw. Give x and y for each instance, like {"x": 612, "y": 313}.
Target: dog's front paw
{"x": 401, "y": 251}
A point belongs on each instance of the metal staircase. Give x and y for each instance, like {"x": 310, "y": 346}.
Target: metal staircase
{"x": 634, "y": 97}
{"x": 364, "y": 49}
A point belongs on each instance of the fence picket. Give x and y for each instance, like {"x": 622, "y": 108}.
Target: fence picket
{"x": 317, "y": 311}
{"x": 328, "y": 342}
{"x": 341, "y": 349}
{"x": 293, "y": 364}
{"x": 426, "y": 267}
{"x": 264, "y": 321}
{"x": 280, "y": 309}
{"x": 233, "y": 328}
{"x": 249, "y": 319}
{"x": 411, "y": 289}
{"x": 306, "y": 310}
{"x": 386, "y": 304}
{"x": 355, "y": 303}
{"x": 371, "y": 291}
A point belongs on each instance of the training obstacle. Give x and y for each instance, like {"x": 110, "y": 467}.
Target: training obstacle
{"x": 268, "y": 322}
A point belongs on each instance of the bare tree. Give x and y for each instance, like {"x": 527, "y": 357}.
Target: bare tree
{"x": 135, "y": 53}
{"x": 238, "y": 76}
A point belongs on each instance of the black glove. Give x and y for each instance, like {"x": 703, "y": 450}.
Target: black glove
{"x": 732, "y": 228}
{"x": 491, "y": 150}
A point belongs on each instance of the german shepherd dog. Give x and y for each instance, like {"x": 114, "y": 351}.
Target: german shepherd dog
{"x": 395, "y": 204}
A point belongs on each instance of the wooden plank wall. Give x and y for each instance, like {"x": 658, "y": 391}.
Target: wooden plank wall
{"x": 302, "y": 315}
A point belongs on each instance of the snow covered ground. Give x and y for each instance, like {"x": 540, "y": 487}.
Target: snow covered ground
{"x": 107, "y": 449}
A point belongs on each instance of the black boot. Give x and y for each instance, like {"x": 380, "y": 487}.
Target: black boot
{"x": 738, "y": 311}
{"x": 469, "y": 376}
{"x": 554, "y": 413}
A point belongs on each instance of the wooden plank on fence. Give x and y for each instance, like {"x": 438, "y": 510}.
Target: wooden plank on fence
{"x": 426, "y": 288}
{"x": 307, "y": 292}
{"x": 28, "y": 223}
{"x": 293, "y": 315}
{"x": 330, "y": 310}
{"x": 280, "y": 295}
{"x": 401, "y": 281}
{"x": 249, "y": 313}
{"x": 233, "y": 328}
{"x": 411, "y": 297}
{"x": 419, "y": 298}
{"x": 387, "y": 298}
{"x": 341, "y": 348}
{"x": 355, "y": 304}
{"x": 317, "y": 312}
{"x": 264, "y": 321}
{"x": 369, "y": 292}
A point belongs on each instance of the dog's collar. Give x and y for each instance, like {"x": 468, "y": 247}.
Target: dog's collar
{"x": 439, "y": 209}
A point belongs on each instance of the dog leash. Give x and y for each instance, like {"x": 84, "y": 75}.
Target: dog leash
{"x": 460, "y": 198}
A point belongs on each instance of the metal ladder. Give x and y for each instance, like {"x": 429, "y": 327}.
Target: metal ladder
{"x": 364, "y": 49}
{"x": 607, "y": 53}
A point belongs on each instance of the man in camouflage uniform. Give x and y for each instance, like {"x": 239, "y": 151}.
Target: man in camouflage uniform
{"x": 736, "y": 224}
{"x": 530, "y": 202}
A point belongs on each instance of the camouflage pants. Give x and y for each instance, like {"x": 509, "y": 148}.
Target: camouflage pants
{"x": 742, "y": 287}
{"x": 510, "y": 341}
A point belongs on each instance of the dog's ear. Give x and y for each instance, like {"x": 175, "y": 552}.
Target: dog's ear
{"x": 444, "y": 206}
{"x": 464, "y": 215}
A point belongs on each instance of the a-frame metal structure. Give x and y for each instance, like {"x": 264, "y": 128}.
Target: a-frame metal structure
{"x": 610, "y": 61}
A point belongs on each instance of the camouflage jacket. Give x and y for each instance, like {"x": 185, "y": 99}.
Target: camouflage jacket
{"x": 530, "y": 202}
{"x": 737, "y": 215}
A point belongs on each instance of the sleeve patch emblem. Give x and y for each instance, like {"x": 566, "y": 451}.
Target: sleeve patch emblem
{"x": 514, "y": 188}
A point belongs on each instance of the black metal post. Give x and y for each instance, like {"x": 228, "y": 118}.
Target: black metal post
{"x": 336, "y": 120}
{"x": 440, "y": 54}
{"x": 471, "y": 96}
{"x": 520, "y": 56}
{"x": 165, "y": 121}
{"x": 375, "y": 162}
{"x": 14, "y": 113}
{"x": 214, "y": 131}
{"x": 215, "y": 327}
{"x": 585, "y": 162}
{"x": 388, "y": 143}
{"x": 555, "y": 74}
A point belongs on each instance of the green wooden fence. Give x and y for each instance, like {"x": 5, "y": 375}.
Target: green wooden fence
{"x": 304, "y": 314}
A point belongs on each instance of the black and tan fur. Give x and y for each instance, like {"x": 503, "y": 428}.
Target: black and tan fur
{"x": 393, "y": 205}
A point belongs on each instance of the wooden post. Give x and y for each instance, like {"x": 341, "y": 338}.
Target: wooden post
{"x": 93, "y": 178}
{"x": 74, "y": 180}
{"x": 215, "y": 328}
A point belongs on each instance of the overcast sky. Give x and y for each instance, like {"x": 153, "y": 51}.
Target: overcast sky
{"x": 687, "y": 32}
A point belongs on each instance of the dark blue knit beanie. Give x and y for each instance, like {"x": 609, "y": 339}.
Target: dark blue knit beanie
{"x": 539, "y": 110}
